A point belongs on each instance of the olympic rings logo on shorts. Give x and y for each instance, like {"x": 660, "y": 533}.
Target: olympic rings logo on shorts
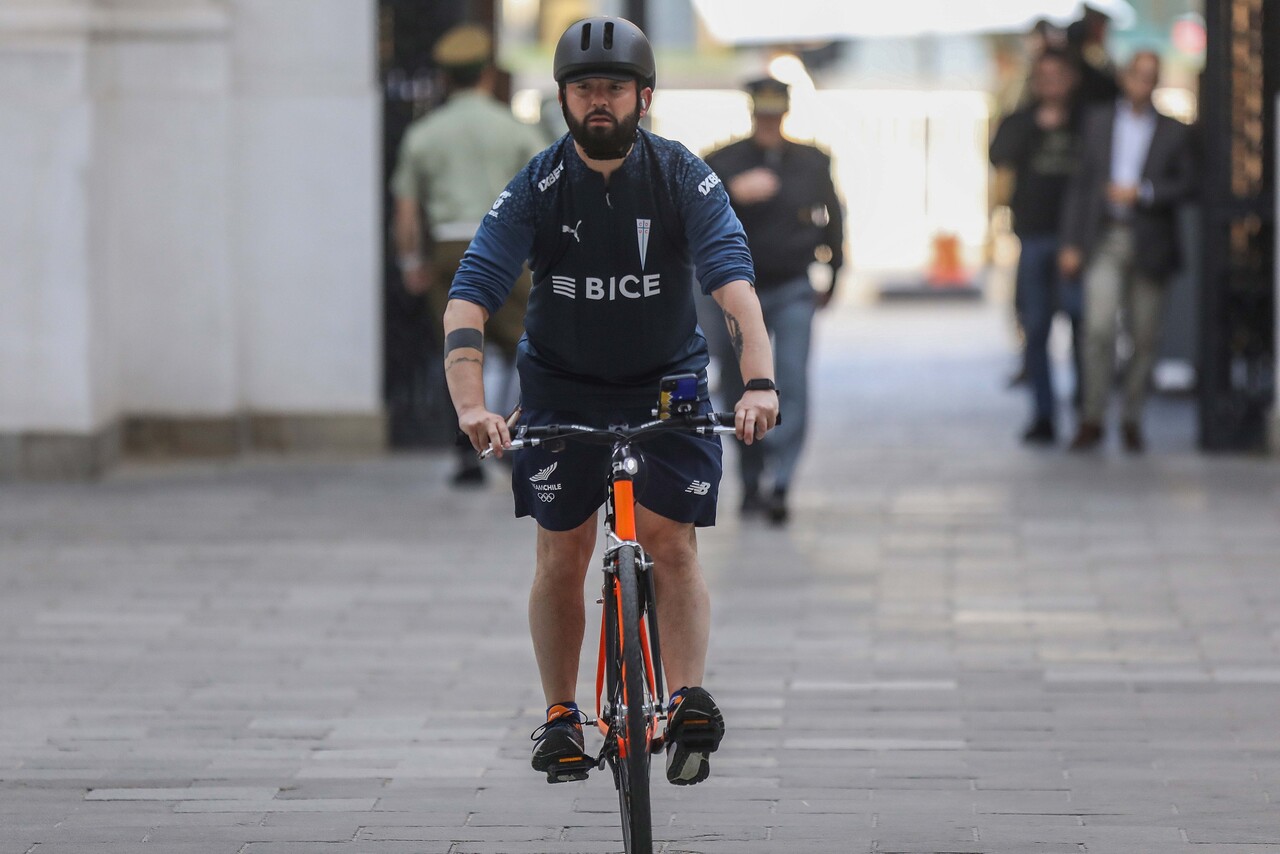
{"x": 547, "y": 497}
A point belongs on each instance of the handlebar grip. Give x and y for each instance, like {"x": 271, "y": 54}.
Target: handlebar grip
{"x": 726, "y": 419}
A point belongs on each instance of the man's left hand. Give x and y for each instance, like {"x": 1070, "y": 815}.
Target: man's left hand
{"x": 755, "y": 415}
{"x": 1124, "y": 195}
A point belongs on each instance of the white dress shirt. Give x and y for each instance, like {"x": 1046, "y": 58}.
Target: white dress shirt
{"x": 1130, "y": 143}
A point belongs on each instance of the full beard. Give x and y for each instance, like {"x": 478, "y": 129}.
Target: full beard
{"x": 601, "y": 142}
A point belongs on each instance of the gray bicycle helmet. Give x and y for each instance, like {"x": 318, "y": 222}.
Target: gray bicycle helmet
{"x": 604, "y": 46}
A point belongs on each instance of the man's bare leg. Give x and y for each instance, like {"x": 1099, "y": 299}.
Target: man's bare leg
{"x": 684, "y": 604}
{"x": 557, "y": 612}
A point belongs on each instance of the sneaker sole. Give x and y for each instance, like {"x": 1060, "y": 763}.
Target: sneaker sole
{"x": 691, "y": 745}
{"x": 565, "y": 765}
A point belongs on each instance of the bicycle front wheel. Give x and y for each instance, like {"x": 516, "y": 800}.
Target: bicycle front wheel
{"x": 632, "y": 770}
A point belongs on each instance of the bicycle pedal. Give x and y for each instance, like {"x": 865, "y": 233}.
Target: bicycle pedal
{"x": 568, "y": 769}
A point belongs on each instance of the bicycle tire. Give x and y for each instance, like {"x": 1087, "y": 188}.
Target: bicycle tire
{"x": 632, "y": 771}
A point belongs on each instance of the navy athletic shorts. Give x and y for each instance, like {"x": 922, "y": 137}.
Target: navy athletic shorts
{"x": 679, "y": 473}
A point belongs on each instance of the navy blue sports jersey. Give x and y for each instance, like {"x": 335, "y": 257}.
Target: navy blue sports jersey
{"x": 612, "y": 308}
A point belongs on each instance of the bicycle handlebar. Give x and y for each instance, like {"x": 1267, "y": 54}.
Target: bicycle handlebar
{"x": 711, "y": 423}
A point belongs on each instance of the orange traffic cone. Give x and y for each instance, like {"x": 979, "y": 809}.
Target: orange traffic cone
{"x": 946, "y": 269}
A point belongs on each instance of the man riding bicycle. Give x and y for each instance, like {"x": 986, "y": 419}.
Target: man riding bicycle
{"x": 615, "y": 223}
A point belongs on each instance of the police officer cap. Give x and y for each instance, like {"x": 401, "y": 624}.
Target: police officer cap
{"x": 769, "y": 97}
{"x": 463, "y": 46}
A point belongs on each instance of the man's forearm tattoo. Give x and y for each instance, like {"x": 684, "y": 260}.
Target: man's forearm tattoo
{"x": 463, "y": 339}
{"x": 735, "y": 333}
{"x": 459, "y": 360}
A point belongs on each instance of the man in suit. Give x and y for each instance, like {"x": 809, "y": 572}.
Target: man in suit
{"x": 1119, "y": 226}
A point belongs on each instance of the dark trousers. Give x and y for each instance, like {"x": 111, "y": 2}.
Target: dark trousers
{"x": 1042, "y": 293}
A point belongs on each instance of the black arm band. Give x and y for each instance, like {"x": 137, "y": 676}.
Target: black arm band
{"x": 466, "y": 337}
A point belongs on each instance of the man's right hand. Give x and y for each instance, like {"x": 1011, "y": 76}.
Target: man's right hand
{"x": 1069, "y": 262}
{"x": 485, "y": 429}
{"x": 754, "y": 186}
{"x": 418, "y": 280}
{"x": 1051, "y": 116}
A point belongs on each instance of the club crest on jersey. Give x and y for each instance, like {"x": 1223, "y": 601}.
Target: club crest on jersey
{"x": 642, "y": 238}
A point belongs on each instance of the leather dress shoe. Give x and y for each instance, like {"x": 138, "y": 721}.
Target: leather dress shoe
{"x": 1134, "y": 442}
{"x": 1088, "y": 437}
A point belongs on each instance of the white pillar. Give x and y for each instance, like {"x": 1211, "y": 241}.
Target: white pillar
{"x": 159, "y": 76}
{"x": 189, "y": 228}
{"x": 57, "y": 406}
{"x": 306, "y": 235}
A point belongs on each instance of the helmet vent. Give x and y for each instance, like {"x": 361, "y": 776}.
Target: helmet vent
{"x": 608, "y": 36}
{"x": 586, "y": 36}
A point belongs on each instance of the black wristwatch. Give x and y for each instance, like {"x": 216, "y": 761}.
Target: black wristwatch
{"x": 761, "y": 384}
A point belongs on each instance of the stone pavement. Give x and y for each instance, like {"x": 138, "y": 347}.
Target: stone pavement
{"x": 959, "y": 645}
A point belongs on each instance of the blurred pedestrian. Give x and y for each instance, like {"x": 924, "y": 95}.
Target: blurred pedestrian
{"x": 1038, "y": 143}
{"x": 1087, "y": 44}
{"x": 1120, "y": 227}
{"x": 453, "y": 163}
{"x": 783, "y": 193}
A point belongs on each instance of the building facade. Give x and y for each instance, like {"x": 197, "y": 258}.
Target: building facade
{"x": 189, "y": 229}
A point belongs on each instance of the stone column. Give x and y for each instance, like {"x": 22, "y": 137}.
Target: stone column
{"x": 160, "y": 83}
{"x": 306, "y": 233}
{"x": 57, "y": 401}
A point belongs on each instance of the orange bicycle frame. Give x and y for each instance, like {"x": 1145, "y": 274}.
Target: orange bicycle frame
{"x": 621, "y": 512}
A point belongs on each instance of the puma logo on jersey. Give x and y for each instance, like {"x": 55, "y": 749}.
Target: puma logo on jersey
{"x": 709, "y": 183}
{"x": 564, "y": 229}
{"x": 698, "y": 487}
{"x": 544, "y": 474}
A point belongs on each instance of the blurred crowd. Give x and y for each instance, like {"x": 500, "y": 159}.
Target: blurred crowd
{"x": 1093, "y": 174}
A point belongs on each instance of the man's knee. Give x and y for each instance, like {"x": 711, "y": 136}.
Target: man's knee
{"x": 565, "y": 554}
{"x": 672, "y": 545}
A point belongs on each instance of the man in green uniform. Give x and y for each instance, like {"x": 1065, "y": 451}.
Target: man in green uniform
{"x": 453, "y": 163}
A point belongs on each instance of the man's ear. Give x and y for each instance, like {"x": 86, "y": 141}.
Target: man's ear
{"x": 646, "y": 98}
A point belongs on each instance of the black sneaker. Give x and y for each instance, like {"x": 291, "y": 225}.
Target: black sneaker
{"x": 694, "y": 730}
{"x": 752, "y": 503}
{"x": 776, "y": 509}
{"x": 467, "y": 476}
{"x": 559, "y": 751}
{"x": 1040, "y": 432}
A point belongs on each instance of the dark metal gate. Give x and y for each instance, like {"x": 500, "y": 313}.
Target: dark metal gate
{"x": 413, "y": 387}
{"x": 1237, "y": 345}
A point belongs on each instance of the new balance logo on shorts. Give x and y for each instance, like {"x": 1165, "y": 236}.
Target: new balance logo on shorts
{"x": 698, "y": 487}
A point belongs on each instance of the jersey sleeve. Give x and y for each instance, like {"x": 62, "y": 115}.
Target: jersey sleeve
{"x": 497, "y": 253}
{"x": 717, "y": 242}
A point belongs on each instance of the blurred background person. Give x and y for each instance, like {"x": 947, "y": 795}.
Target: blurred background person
{"x": 1038, "y": 145}
{"x": 1086, "y": 42}
{"x": 783, "y": 193}
{"x": 452, "y": 165}
{"x": 1120, "y": 227}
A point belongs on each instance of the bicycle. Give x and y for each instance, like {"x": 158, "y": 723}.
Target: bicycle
{"x": 630, "y": 690}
